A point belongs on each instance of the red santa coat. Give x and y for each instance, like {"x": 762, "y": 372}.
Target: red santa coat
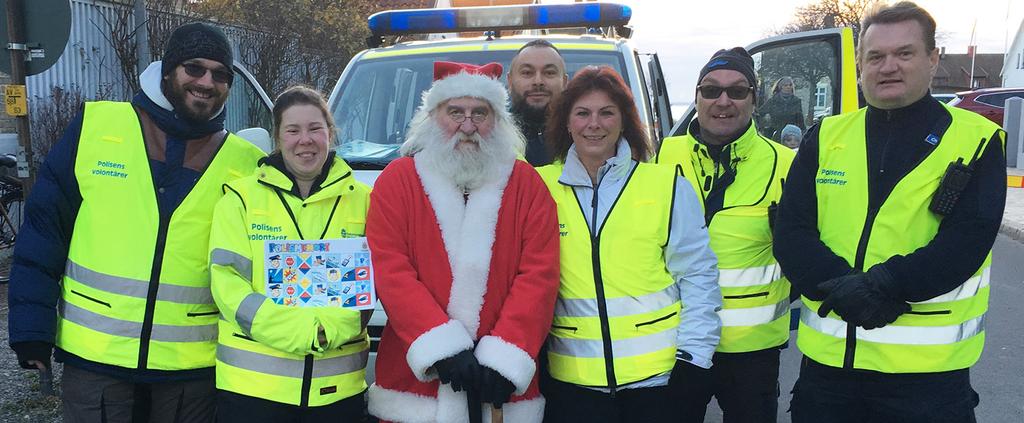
{"x": 452, "y": 272}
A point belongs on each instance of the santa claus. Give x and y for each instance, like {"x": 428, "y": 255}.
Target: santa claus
{"x": 464, "y": 240}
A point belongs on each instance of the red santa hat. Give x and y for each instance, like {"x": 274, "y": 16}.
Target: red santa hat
{"x": 453, "y": 80}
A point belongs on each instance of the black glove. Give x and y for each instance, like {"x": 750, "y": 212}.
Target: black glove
{"x": 33, "y": 350}
{"x": 460, "y": 370}
{"x": 869, "y": 300}
{"x": 687, "y": 376}
{"x": 494, "y": 388}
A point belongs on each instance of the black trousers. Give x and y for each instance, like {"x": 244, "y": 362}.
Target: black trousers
{"x": 568, "y": 403}
{"x": 96, "y": 398}
{"x": 745, "y": 384}
{"x": 236, "y": 408}
{"x": 828, "y": 394}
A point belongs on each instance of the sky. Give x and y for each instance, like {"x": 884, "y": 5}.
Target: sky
{"x": 686, "y": 33}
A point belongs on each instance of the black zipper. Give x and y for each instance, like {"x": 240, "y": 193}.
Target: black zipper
{"x": 602, "y": 307}
{"x": 104, "y": 303}
{"x": 307, "y": 380}
{"x": 862, "y": 245}
{"x": 639, "y": 325}
{"x": 740, "y": 297}
{"x": 154, "y": 286}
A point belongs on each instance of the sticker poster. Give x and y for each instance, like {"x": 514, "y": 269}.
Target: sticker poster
{"x": 335, "y": 272}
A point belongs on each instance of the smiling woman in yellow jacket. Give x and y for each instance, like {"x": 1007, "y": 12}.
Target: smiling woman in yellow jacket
{"x": 276, "y": 362}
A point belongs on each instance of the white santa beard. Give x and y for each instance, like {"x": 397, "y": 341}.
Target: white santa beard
{"x": 466, "y": 167}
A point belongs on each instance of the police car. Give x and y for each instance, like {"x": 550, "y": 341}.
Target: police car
{"x": 380, "y": 89}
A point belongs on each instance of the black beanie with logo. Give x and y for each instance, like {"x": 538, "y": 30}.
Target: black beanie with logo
{"x": 196, "y": 40}
{"x": 736, "y": 59}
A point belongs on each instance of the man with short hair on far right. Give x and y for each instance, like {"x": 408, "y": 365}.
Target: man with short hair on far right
{"x": 885, "y": 228}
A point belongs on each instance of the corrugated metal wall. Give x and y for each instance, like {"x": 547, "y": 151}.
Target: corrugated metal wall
{"x": 88, "y": 62}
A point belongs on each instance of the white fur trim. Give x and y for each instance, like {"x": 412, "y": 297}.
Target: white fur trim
{"x": 507, "y": 359}
{"x": 464, "y": 84}
{"x": 451, "y": 406}
{"x": 405, "y": 407}
{"x": 398, "y": 406}
{"x": 467, "y": 228}
{"x": 435, "y": 344}
{"x": 528, "y": 411}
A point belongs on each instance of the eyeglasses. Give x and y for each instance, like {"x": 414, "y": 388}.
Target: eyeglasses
{"x": 459, "y": 116}
{"x": 198, "y": 71}
{"x": 712, "y": 92}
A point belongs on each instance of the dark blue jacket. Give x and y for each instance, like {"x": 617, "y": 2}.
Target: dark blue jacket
{"x": 41, "y": 251}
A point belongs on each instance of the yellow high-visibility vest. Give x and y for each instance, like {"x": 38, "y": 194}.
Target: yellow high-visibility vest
{"x": 618, "y": 307}
{"x": 131, "y": 298}
{"x": 939, "y": 334}
{"x": 755, "y": 295}
{"x": 252, "y": 359}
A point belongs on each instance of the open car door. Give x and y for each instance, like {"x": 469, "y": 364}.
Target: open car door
{"x": 660, "y": 103}
{"x": 821, "y": 65}
{"x": 249, "y": 109}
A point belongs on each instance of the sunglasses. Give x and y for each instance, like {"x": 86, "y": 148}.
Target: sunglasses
{"x": 198, "y": 71}
{"x": 712, "y": 92}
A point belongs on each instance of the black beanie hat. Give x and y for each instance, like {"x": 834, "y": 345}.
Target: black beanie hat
{"x": 196, "y": 40}
{"x": 736, "y": 59}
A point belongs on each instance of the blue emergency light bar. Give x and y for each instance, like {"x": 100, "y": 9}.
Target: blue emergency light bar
{"x": 496, "y": 18}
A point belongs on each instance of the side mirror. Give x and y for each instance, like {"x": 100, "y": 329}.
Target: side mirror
{"x": 258, "y": 137}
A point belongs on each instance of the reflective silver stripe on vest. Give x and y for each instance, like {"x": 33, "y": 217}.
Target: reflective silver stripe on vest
{"x": 242, "y": 265}
{"x": 247, "y": 311}
{"x": 754, "y": 315}
{"x": 967, "y": 289}
{"x": 287, "y": 367}
{"x": 137, "y": 288}
{"x": 897, "y": 335}
{"x": 128, "y": 329}
{"x": 751, "y": 276}
{"x": 621, "y": 306}
{"x": 587, "y": 348}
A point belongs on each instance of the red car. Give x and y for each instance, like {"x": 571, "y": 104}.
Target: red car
{"x": 987, "y": 102}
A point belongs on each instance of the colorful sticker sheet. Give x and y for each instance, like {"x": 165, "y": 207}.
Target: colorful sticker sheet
{"x": 335, "y": 272}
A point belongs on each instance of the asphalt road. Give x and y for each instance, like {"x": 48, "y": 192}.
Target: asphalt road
{"x": 999, "y": 376}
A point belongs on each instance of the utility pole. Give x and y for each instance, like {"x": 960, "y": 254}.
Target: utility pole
{"x": 141, "y": 36}
{"x": 19, "y": 51}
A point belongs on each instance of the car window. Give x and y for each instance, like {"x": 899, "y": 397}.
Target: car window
{"x": 246, "y": 106}
{"x": 377, "y": 101}
{"x": 812, "y": 69}
{"x": 998, "y": 99}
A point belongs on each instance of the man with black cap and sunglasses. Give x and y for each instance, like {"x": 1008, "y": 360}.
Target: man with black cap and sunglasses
{"x": 886, "y": 229}
{"x": 739, "y": 175}
{"x": 110, "y": 266}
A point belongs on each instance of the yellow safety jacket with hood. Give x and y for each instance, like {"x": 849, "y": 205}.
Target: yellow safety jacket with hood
{"x": 267, "y": 349}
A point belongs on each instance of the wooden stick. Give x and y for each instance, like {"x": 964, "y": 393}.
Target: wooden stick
{"x": 497, "y": 416}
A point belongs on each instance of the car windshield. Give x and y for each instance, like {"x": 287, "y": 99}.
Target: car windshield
{"x": 378, "y": 98}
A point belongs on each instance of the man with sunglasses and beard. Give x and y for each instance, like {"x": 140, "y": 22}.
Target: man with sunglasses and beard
{"x": 110, "y": 266}
{"x": 535, "y": 79}
{"x": 738, "y": 174}
{"x": 464, "y": 239}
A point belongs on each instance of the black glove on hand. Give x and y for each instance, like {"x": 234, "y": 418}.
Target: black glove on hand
{"x": 494, "y": 388}
{"x": 869, "y": 300}
{"x": 687, "y": 376}
{"x": 33, "y": 351}
{"x": 460, "y": 370}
